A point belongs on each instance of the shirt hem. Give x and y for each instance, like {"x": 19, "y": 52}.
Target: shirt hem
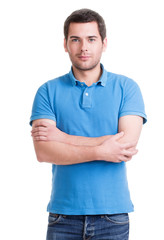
{"x": 41, "y": 117}
{"x": 90, "y": 211}
{"x": 135, "y": 113}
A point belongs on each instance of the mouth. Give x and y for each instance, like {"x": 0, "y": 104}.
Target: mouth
{"x": 84, "y": 57}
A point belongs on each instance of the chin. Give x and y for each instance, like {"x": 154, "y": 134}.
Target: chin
{"x": 85, "y": 68}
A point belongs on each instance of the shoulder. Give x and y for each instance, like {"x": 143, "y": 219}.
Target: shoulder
{"x": 119, "y": 78}
{"x": 56, "y": 81}
{"x": 51, "y": 85}
{"x": 121, "y": 81}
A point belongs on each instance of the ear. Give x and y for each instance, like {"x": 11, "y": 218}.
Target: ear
{"x": 104, "y": 44}
{"x": 65, "y": 45}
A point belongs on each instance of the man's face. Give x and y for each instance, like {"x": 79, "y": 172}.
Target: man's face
{"x": 84, "y": 45}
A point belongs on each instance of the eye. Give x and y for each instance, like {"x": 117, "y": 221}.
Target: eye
{"x": 75, "y": 40}
{"x": 92, "y": 39}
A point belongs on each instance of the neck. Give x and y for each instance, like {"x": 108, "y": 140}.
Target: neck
{"x": 88, "y": 76}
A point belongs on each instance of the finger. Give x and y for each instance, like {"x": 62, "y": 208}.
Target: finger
{"x": 129, "y": 153}
{"x": 37, "y": 134}
{"x": 40, "y": 138}
{"x": 125, "y": 158}
{"x": 131, "y": 149}
{"x": 38, "y": 129}
{"x": 129, "y": 145}
{"x": 42, "y": 123}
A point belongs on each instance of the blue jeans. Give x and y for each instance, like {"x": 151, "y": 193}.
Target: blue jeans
{"x": 91, "y": 227}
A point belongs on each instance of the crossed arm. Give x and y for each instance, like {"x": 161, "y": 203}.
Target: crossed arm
{"x": 56, "y": 147}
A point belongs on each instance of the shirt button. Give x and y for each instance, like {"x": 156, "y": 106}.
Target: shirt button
{"x": 82, "y": 84}
{"x": 86, "y": 94}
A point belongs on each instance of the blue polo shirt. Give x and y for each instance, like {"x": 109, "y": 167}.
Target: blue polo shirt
{"x": 96, "y": 187}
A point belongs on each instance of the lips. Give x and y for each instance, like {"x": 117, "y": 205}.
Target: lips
{"x": 84, "y": 57}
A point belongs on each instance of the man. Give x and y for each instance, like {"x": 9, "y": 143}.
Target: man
{"x": 87, "y": 124}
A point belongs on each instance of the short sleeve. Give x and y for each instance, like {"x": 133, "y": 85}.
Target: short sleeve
{"x": 132, "y": 100}
{"x": 41, "y": 106}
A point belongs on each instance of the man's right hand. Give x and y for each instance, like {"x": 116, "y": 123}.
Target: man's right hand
{"x": 113, "y": 151}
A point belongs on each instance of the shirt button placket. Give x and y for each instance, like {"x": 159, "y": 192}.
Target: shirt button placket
{"x": 87, "y": 100}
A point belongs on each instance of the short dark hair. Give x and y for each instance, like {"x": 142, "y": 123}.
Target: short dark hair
{"x": 84, "y": 16}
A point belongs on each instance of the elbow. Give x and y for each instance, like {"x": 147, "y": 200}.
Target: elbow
{"x": 44, "y": 158}
{"x": 40, "y": 155}
{"x": 43, "y": 154}
{"x": 39, "y": 158}
{"x": 40, "y": 152}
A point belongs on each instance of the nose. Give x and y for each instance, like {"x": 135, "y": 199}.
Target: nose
{"x": 84, "y": 46}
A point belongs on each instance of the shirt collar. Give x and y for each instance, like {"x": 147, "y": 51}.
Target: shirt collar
{"x": 102, "y": 80}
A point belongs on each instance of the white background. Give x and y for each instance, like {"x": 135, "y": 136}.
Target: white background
{"x": 31, "y": 52}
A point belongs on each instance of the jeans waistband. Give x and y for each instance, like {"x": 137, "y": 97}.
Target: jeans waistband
{"x": 81, "y": 217}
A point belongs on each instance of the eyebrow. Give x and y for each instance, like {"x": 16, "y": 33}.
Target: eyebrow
{"x": 88, "y": 36}
{"x": 74, "y": 37}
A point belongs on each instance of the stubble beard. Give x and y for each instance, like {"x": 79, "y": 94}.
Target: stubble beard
{"x": 85, "y": 68}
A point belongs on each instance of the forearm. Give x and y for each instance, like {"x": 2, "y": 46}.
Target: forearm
{"x": 63, "y": 154}
{"x": 84, "y": 141}
{"x": 56, "y": 147}
{"x": 46, "y": 130}
{"x": 67, "y": 154}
